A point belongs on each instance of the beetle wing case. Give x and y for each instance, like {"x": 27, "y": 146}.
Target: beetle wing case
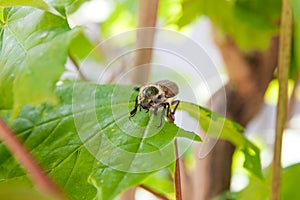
{"x": 170, "y": 88}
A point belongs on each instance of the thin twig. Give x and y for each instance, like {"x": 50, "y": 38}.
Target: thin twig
{"x": 177, "y": 176}
{"x": 282, "y": 107}
{"x": 177, "y": 179}
{"x": 35, "y": 172}
{"x": 76, "y": 65}
{"x": 115, "y": 74}
{"x": 128, "y": 194}
{"x": 158, "y": 195}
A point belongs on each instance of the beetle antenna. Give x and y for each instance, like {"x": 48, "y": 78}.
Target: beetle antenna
{"x": 136, "y": 88}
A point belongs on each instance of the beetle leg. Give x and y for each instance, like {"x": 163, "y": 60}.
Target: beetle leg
{"x": 133, "y": 112}
{"x": 166, "y": 106}
{"x": 177, "y": 103}
{"x": 170, "y": 113}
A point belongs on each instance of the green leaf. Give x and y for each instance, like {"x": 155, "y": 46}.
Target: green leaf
{"x": 260, "y": 189}
{"x": 89, "y": 145}
{"x": 62, "y": 6}
{"x": 255, "y": 15}
{"x": 33, "y": 52}
{"x": 152, "y": 143}
{"x": 16, "y": 191}
{"x": 220, "y": 127}
{"x": 241, "y": 19}
{"x": 65, "y": 7}
{"x": 290, "y": 181}
{"x": 256, "y": 189}
{"x": 169, "y": 10}
{"x": 296, "y": 38}
{"x": 123, "y": 17}
{"x": 161, "y": 182}
{"x": 33, "y": 3}
{"x": 190, "y": 11}
{"x": 71, "y": 5}
{"x": 82, "y": 48}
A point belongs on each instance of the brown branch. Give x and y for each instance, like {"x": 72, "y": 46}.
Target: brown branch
{"x": 35, "y": 172}
{"x": 77, "y": 68}
{"x": 158, "y": 195}
{"x": 144, "y": 42}
{"x": 282, "y": 107}
{"x": 128, "y": 194}
{"x": 177, "y": 175}
{"x": 115, "y": 74}
{"x": 177, "y": 178}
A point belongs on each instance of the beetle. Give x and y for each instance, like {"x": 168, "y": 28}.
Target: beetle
{"x": 160, "y": 94}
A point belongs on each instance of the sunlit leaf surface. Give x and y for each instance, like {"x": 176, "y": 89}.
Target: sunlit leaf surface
{"x": 89, "y": 145}
{"x": 33, "y": 52}
{"x": 41, "y": 4}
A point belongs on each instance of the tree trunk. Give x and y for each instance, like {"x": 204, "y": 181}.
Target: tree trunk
{"x": 249, "y": 75}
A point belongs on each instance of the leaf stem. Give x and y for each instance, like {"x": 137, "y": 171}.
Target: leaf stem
{"x": 160, "y": 196}
{"x": 35, "y": 172}
{"x": 177, "y": 179}
{"x": 283, "y": 71}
